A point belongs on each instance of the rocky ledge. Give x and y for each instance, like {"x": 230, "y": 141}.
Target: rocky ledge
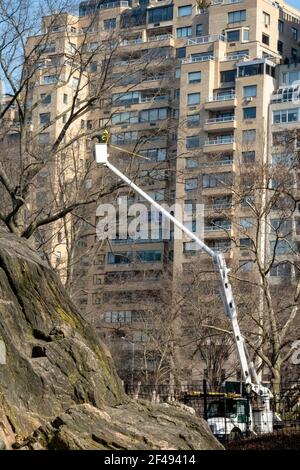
{"x": 59, "y": 388}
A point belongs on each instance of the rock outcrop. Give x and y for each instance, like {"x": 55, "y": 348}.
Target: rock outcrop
{"x": 59, "y": 388}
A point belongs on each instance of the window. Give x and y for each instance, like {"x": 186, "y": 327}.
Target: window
{"x": 191, "y": 163}
{"x": 282, "y": 227}
{"x": 245, "y": 243}
{"x": 155, "y": 15}
{"x": 50, "y": 79}
{"x": 194, "y": 77}
{"x": 237, "y": 16}
{"x": 45, "y": 118}
{"x": 199, "y": 29}
{"x": 246, "y": 222}
{"x": 228, "y": 76}
{"x": 249, "y": 135}
{"x": 124, "y": 137}
{"x": 193, "y": 99}
{"x": 281, "y": 270}
{"x": 177, "y": 73}
{"x": 191, "y": 184}
{"x": 48, "y": 48}
{"x": 149, "y": 256}
{"x": 289, "y": 77}
{"x": 294, "y": 53}
{"x": 246, "y": 266}
{"x": 249, "y": 113}
{"x": 184, "y": 32}
{"x": 110, "y": 23}
{"x": 93, "y": 67}
{"x": 280, "y": 47}
{"x": 294, "y": 33}
{"x": 125, "y": 118}
{"x": 250, "y": 91}
{"x": 65, "y": 98}
{"x": 217, "y": 180}
{"x": 248, "y": 157}
{"x": 193, "y": 120}
{"x": 118, "y": 317}
{"x": 180, "y": 52}
{"x": 123, "y": 99}
{"x": 266, "y": 19}
{"x": 286, "y": 115}
{"x": 119, "y": 258}
{"x": 44, "y": 138}
{"x": 155, "y": 155}
{"x": 280, "y": 26}
{"x": 233, "y": 36}
{"x": 45, "y": 98}
{"x": 192, "y": 142}
{"x": 155, "y": 114}
{"x": 266, "y": 39}
{"x": 281, "y": 247}
{"x": 251, "y": 70}
{"x": 185, "y": 10}
{"x": 246, "y": 35}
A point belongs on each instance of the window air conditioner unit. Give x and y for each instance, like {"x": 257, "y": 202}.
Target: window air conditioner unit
{"x": 250, "y": 99}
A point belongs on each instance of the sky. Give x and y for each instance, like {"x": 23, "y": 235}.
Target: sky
{"x": 294, "y": 3}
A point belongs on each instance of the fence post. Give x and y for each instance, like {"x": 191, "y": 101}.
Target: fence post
{"x": 205, "y": 399}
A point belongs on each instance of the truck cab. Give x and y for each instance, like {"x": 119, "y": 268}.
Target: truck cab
{"x": 228, "y": 417}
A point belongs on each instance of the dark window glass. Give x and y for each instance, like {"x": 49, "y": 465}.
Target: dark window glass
{"x": 155, "y": 15}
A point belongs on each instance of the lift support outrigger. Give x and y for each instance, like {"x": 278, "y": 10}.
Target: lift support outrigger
{"x": 260, "y": 414}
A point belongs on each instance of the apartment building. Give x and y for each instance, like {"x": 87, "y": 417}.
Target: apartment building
{"x": 192, "y": 90}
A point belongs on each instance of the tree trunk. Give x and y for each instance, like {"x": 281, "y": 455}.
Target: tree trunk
{"x": 276, "y": 385}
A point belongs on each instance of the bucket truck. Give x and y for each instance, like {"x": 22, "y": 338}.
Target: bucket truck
{"x": 259, "y": 414}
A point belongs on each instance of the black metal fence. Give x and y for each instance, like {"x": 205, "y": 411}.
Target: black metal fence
{"x": 228, "y": 412}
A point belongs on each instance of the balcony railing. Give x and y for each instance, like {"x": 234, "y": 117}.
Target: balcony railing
{"x": 218, "y": 163}
{"x": 128, "y": 42}
{"x": 160, "y": 37}
{"x": 153, "y": 99}
{"x": 120, "y": 3}
{"x": 218, "y": 207}
{"x": 221, "y": 119}
{"x": 205, "y": 39}
{"x": 220, "y": 141}
{"x": 217, "y": 228}
{"x": 225, "y": 97}
{"x": 235, "y": 57}
{"x": 225, "y": 2}
{"x": 190, "y": 60}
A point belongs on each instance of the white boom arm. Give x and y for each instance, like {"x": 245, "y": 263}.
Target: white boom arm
{"x": 247, "y": 366}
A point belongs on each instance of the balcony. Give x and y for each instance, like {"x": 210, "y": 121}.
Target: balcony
{"x": 205, "y": 39}
{"x": 150, "y": 39}
{"x": 192, "y": 60}
{"x": 218, "y": 207}
{"x": 221, "y": 101}
{"x": 225, "y": 2}
{"x": 216, "y": 228}
{"x": 218, "y": 163}
{"x": 220, "y": 123}
{"x": 220, "y": 143}
{"x": 235, "y": 57}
